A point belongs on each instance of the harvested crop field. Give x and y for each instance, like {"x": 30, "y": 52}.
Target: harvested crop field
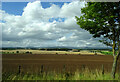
{"x": 53, "y": 62}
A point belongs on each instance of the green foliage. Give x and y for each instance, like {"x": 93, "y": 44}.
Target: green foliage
{"x": 17, "y": 51}
{"x": 99, "y": 18}
{"x": 28, "y": 52}
{"x": 107, "y": 53}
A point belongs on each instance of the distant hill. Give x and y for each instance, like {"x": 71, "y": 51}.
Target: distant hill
{"x": 57, "y": 47}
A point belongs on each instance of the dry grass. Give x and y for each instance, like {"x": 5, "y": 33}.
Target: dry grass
{"x": 86, "y": 74}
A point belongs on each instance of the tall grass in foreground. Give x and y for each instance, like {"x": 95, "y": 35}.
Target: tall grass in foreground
{"x": 86, "y": 74}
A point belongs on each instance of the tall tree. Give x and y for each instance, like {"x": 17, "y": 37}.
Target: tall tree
{"x": 102, "y": 19}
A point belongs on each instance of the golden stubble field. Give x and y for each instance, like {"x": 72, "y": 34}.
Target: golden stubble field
{"x": 48, "y": 52}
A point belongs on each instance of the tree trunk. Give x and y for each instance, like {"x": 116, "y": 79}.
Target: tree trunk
{"x": 113, "y": 48}
{"x": 114, "y": 67}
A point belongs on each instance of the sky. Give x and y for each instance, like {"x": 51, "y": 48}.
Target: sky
{"x": 44, "y": 24}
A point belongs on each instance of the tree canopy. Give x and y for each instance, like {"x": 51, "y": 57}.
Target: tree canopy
{"x": 102, "y": 19}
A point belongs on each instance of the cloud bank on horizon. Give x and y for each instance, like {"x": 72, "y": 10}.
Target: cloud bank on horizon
{"x": 34, "y": 29}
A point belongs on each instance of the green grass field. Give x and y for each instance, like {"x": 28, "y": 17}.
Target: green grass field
{"x": 107, "y": 52}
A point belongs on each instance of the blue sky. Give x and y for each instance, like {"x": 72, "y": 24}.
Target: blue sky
{"x": 16, "y": 8}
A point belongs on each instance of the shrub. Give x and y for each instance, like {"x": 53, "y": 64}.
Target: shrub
{"x": 27, "y": 52}
{"x": 17, "y": 51}
{"x": 30, "y": 52}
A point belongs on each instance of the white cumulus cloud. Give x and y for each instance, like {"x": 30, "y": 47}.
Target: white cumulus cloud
{"x": 33, "y": 28}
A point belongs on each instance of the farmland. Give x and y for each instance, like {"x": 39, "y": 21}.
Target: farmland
{"x": 60, "y": 40}
{"x": 23, "y": 51}
{"x": 56, "y": 62}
